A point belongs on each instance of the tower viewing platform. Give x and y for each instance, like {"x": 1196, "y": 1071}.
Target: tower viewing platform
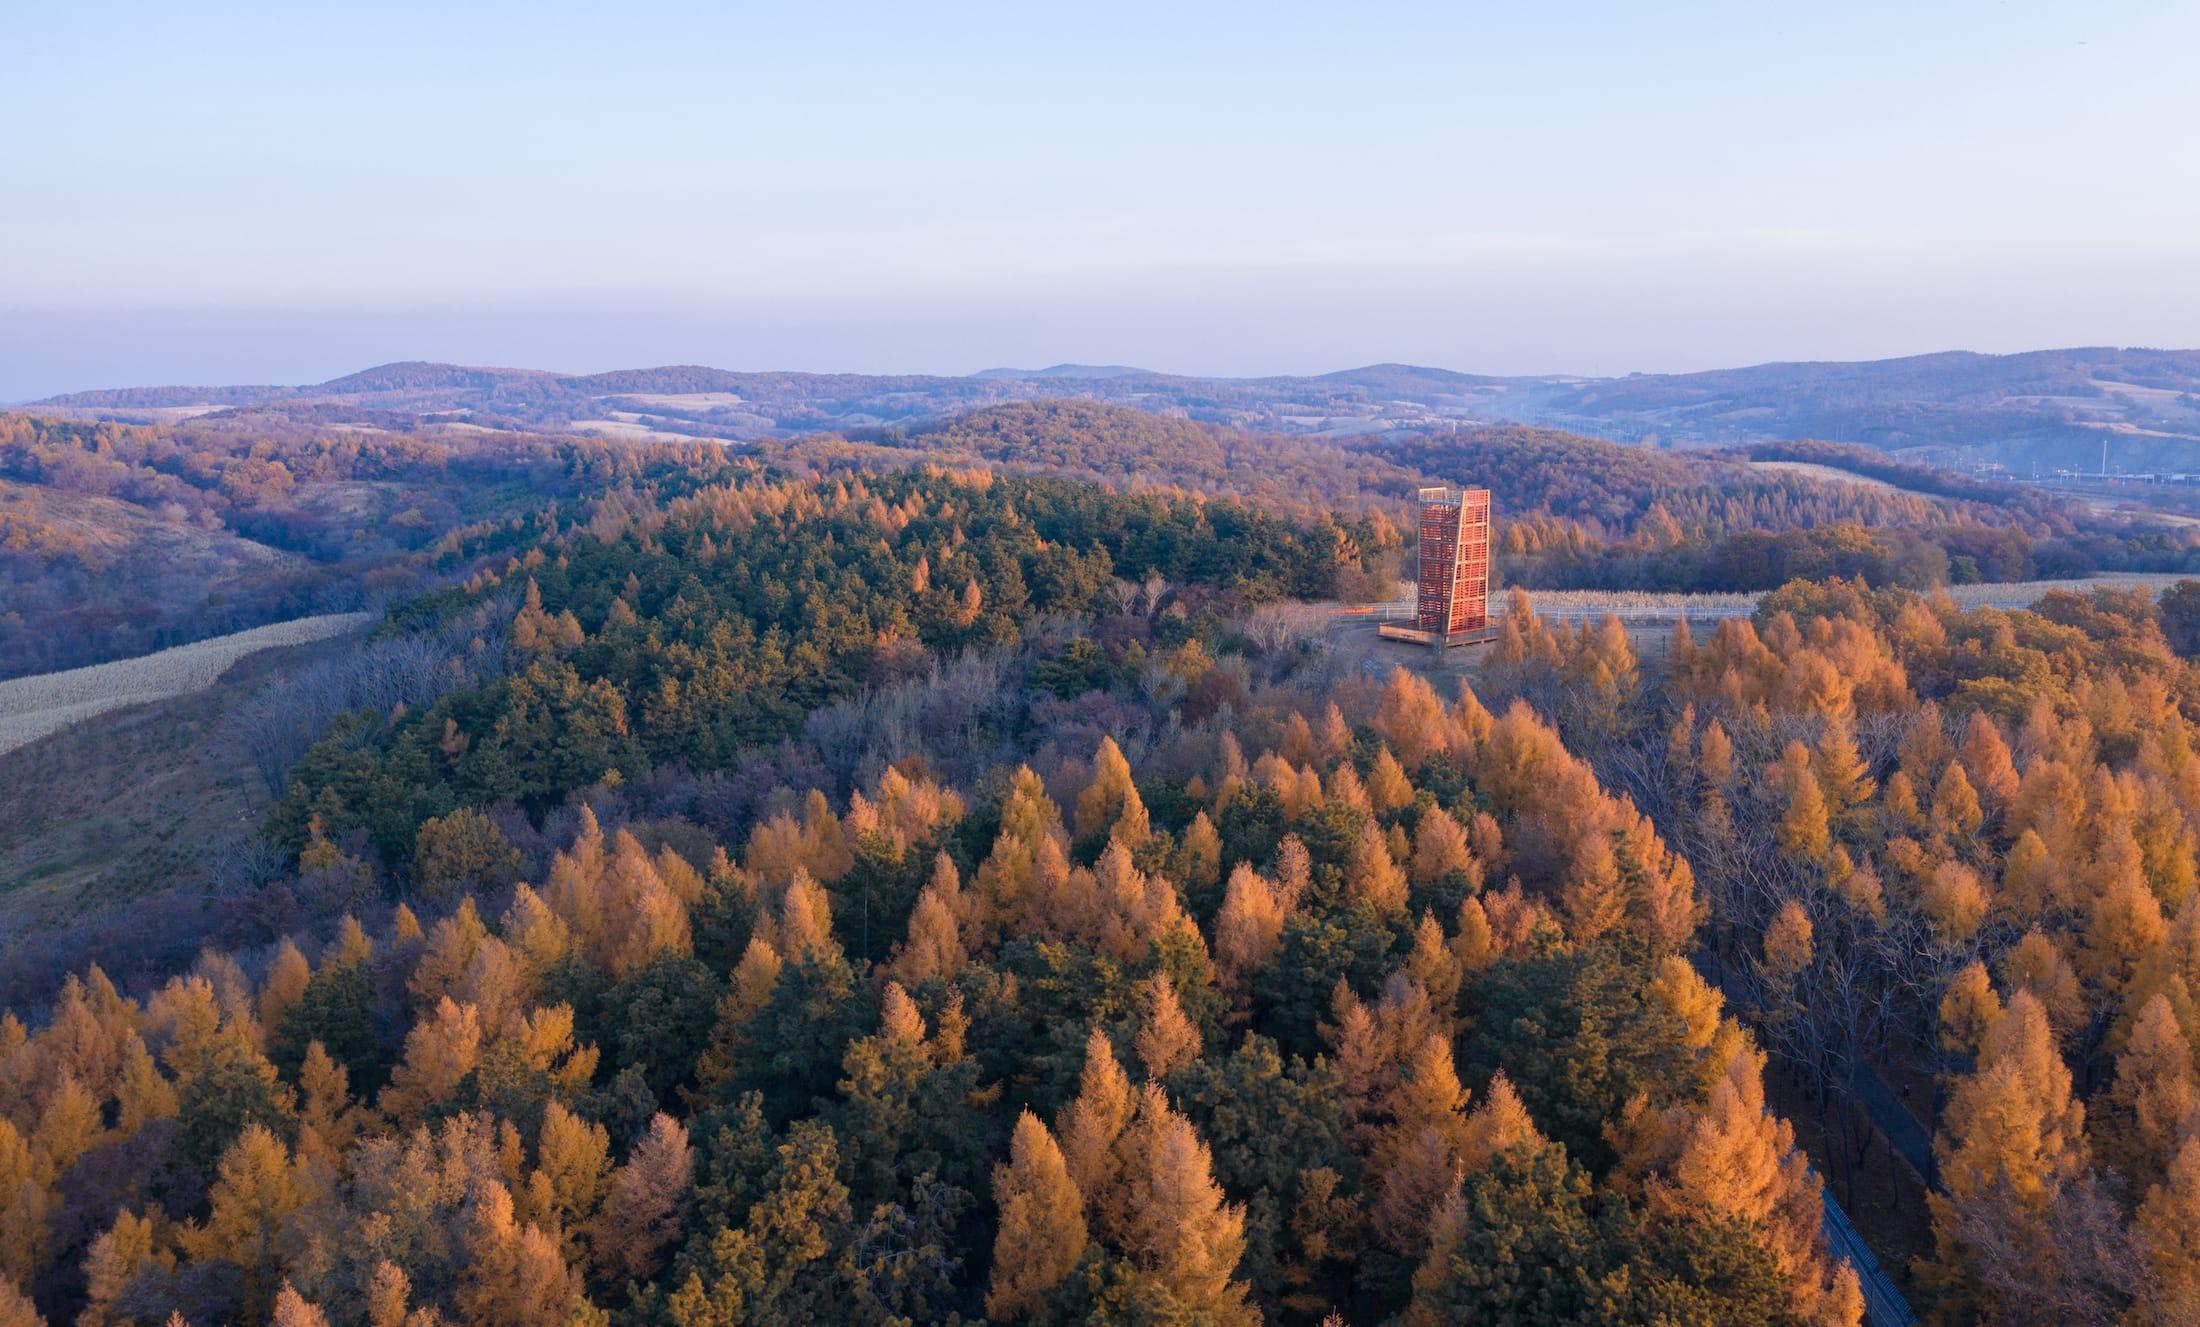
{"x": 1452, "y": 593}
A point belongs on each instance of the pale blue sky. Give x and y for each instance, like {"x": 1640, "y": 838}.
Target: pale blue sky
{"x": 282, "y": 192}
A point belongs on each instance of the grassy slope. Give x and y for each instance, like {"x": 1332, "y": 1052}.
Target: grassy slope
{"x": 128, "y": 803}
{"x": 117, "y": 534}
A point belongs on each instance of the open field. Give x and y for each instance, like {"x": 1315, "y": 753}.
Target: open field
{"x": 630, "y": 425}
{"x": 32, "y": 707}
{"x": 1833, "y": 474}
{"x": 2117, "y": 504}
{"x": 149, "y": 414}
{"x": 1630, "y": 605}
{"x": 682, "y": 400}
{"x": 1575, "y": 605}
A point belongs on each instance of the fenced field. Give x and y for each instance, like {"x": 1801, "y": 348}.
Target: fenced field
{"x": 1644, "y": 606}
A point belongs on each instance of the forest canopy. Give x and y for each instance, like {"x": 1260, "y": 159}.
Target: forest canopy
{"x": 921, "y": 897}
{"x": 957, "y": 872}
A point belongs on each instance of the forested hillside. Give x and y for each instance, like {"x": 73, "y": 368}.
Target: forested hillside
{"x": 719, "y": 622}
{"x": 119, "y": 539}
{"x": 116, "y": 539}
{"x": 1116, "y": 445}
{"x": 1958, "y": 846}
{"x": 919, "y": 897}
{"x": 1580, "y": 512}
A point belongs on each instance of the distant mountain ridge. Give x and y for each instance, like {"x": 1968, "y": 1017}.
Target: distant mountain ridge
{"x": 1066, "y": 371}
{"x": 2038, "y": 408}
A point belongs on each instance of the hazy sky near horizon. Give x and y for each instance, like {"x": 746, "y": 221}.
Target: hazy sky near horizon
{"x": 273, "y": 192}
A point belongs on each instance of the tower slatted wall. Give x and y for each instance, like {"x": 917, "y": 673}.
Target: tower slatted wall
{"x": 1453, "y": 590}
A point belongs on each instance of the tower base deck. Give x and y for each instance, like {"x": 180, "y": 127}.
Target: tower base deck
{"x": 1439, "y": 639}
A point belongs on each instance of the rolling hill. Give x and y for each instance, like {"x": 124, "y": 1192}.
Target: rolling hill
{"x": 2037, "y": 410}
